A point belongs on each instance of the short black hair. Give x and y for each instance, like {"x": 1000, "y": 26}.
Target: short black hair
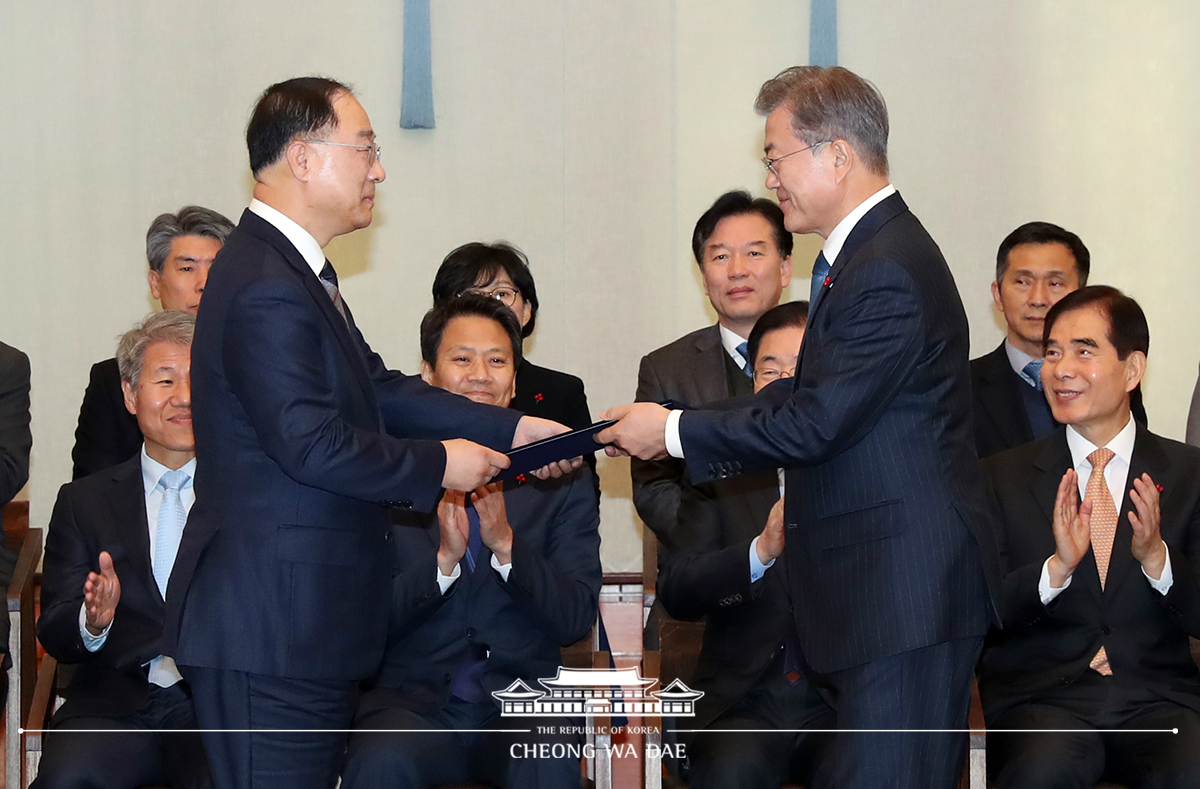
{"x": 791, "y": 314}
{"x": 1127, "y": 327}
{"x": 477, "y": 263}
{"x": 1044, "y": 233}
{"x": 433, "y": 325}
{"x": 287, "y": 110}
{"x": 737, "y": 203}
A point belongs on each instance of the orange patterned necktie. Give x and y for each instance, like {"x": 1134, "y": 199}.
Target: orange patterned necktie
{"x": 1104, "y": 529}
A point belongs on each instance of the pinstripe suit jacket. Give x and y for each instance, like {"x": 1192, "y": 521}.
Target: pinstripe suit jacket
{"x": 886, "y": 535}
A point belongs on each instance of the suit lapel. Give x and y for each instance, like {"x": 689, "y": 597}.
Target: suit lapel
{"x": 129, "y": 515}
{"x": 1000, "y": 399}
{"x": 312, "y": 284}
{"x": 708, "y": 368}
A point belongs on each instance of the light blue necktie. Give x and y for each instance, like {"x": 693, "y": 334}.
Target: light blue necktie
{"x": 171, "y": 520}
{"x": 1033, "y": 373}
{"x": 744, "y": 351}
{"x": 820, "y": 272}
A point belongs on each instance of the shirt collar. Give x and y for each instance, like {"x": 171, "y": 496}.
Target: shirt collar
{"x": 152, "y": 471}
{"x": 837, "y": 238}
{"x": 1016, "y": 357}
{"x": 1121, "y": 444}
{"x": 300, "y": 238}
{"x": 730, "y": 341}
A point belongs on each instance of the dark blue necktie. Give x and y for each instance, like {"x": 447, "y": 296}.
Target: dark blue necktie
{"x": 474, "y": 541}
{"x": 744, "y": 351}
{"x": 820, "y": 272}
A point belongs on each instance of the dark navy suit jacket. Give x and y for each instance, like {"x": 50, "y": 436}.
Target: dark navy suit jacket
{"x": 1144, "y": 633}
{"x": 549, "y": 601}
{"x": 886, "y": 537}
{"x": 103, "y": 512}
{"x": 303, "y": 441}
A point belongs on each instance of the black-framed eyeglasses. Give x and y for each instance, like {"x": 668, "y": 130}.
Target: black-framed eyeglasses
{"x": 770, "y": 163}
{"x": 504, "y": 294}
{"x": 374, "y": 152}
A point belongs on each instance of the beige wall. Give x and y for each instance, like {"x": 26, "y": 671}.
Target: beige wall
{"x": 591, "y": 133}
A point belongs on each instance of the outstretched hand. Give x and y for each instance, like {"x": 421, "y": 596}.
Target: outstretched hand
{"x": 101, "y": 594}
{"x": 640, "y": 432}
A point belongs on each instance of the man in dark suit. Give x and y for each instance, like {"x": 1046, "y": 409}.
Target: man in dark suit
{"x": 716, "y": 573}
{"x": 15, "y": 438}
{"x": 1193, "y": 420}
{"x": 303, "y": 441}
{"x": 109, "y": 553}
{"x": 486, "y": 593}
{"x": 180, "y": 249}
{"x": 1037, "y": 264}
{"x": 745, "y": 257}
{"x": 886, "y": 540}
{"x": 1100, "y": 597}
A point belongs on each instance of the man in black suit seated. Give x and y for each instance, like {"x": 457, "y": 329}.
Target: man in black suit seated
{"x": 745, "y": 257}
{"x": 1037, "y": 264}
{"x": 1100, "y": 597}
{"x": 15, "y": 444}
{"x": 501, "y": 271}
{"x": 486, "y": 592}
{"x": 717, "y": 573}
{"x": 109, "y": 553}
{"x": 180, "y": 248}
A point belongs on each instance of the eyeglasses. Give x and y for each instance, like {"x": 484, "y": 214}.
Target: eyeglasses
{"x": 503, "y": 294}
{"x": 768, "y": 374}
{"x": 770, "y": 163}
{"x": 374, "y": 152}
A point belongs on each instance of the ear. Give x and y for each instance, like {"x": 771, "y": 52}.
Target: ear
{"x": 130, "y": 396}
{"x": 512, "y": 390}
{"x": 426, "y": 372}
{"x": 785, "y": 271}
{"x": 526, "y": 312}
{"x": 1135, "y": 368}
{"x": 155, "y": 280}
{"x": 298, "y": 161}
{"x": 843, "y": 158}
{"x": 996, "y": 296}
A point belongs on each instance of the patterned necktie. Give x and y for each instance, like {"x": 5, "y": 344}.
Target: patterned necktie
{"x": 171, "y": 520}
{"x": 1033, "y": 373}
{"x": 820, "y": 272}
{"x": 1104, "y": 528}
{"x": 329, "y": 281}
{"x": 744, "y": 351}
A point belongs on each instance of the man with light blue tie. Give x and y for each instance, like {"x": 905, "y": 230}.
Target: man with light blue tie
{"x": 111, "y": 547}
{"x": 745, "y": 257}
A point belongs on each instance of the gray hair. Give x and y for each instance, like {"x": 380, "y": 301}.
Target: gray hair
{"x": 173, "y": 326}
{"x": 829, "y": 104}
{"x": 192, "y": 220}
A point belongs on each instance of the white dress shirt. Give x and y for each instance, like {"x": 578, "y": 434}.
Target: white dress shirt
{"x": 1116, "y": 477}
{"x": 162, "y": 670}
{"x": 301, "y": 239}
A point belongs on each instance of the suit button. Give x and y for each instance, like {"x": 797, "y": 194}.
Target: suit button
{"x": 471, "y": 633}
{"x": 1106, "y": 630}
{"x": 406, "y": 504}
{"x": 447, "y": 679}
{"x": 1065, "y": 681}
{"x": 422, "y": 597}
{"x": 387, "y": 536}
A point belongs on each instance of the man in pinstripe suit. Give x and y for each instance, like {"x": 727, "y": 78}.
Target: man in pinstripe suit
{"x": 885, "y": 521}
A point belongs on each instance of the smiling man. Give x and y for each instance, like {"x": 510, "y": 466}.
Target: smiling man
{"x": 1100, "y": 597}
{"x": 180, "y": 248}
{"x": 745, "y": 257}
{"x": 111, "y": 548}
{"x": 303, "y": 441}
{"x": 485, "y": 593}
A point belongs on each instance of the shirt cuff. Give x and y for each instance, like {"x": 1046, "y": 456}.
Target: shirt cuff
{"x": 674, "y": 445}
{"x": 1163, "y": 585}
{"x": 757, "y": 568}
{"x": 503, "y": 569}
{"x": 90, "y": 642}
{"x": 1045, "y": 591}
{"x": 445, "y": 581}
